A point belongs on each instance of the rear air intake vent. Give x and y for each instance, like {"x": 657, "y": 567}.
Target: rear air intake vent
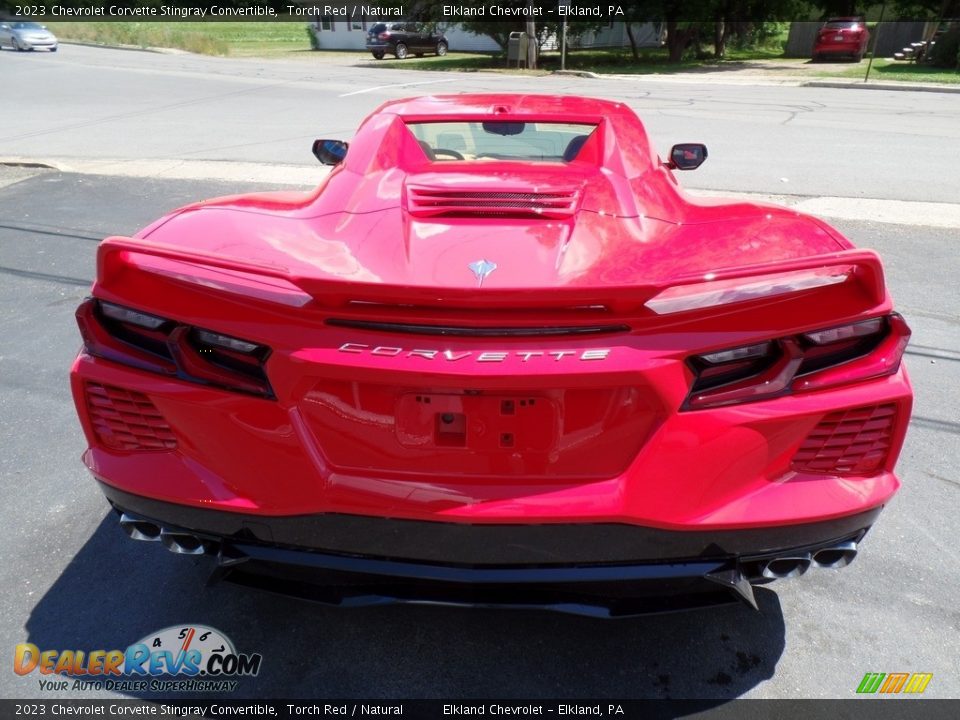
{"x": 127, "y": 420}
{"x": 848, "y": 442}
{"x": 486, "y": 203}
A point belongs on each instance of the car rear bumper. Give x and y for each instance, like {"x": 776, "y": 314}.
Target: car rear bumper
{"x": 601, "y": 569}
{"x": 838, "y": 48}
{"x": 228, "y": 452}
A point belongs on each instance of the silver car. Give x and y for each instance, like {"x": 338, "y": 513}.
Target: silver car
{"x": 27, "y": 36}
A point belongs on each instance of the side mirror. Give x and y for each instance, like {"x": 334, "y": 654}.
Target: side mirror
{"x": 687, "y": 156}
{"x": 330, "y": 152}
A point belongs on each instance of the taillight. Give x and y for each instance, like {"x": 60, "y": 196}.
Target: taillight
{"x": 798, "y": 363}
{"x": 156, "y": 344}
{"x": 383, "y": 36}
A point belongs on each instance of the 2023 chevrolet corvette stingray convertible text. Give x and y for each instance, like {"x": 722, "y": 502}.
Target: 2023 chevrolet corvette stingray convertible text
{"x": 497, "y": 357}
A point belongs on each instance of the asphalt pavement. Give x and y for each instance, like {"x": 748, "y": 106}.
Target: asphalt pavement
{"x": 71, "y": 578}
{"x": 86, "y": 105}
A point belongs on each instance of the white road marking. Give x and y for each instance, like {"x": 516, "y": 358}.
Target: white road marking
{"x": 395, "y": 85}
{"x": 893, "y": 212}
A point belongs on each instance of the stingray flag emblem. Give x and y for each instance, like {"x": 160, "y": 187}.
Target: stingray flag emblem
{"x": 482, "y": 268}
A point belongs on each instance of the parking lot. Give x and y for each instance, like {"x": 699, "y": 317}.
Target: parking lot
{"x": 72, "y": 580}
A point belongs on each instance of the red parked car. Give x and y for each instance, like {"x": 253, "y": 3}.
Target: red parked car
{"x": 497, "y": 357}
{"x": 846, "y": 37}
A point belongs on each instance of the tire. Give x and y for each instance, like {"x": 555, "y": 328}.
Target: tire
{"x": 16, "y": 45}
{"x": 858, "y": 57}
{"x": 377, "y": 55}
{"x": 400, "y": 51}
{"x": 53, "y": 49}
{"x": 441, "y": 49}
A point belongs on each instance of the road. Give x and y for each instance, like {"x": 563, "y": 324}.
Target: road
{"x": 87, "y": 103}
{"x": 72, "y": 580}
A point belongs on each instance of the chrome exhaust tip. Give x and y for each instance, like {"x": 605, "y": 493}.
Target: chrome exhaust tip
{"x": 786, "y": 567}
{"x": 138, "y": 529}
{"x": 182, "y": 543}
{"x": 838, "y": 556}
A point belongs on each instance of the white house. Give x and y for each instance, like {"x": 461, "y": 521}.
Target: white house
{"x": 352, "y": 35}
{"x": 333, "y": 34}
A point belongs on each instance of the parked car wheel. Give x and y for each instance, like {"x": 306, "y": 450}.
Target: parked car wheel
{"x": 53, "y": 49}
{"x": 441, "y": 48}
{"x": 17, "y": 46}
{"x": 401, "y": 51}
{"x": 377, "y": 56}
{"x": 858, "y": 57}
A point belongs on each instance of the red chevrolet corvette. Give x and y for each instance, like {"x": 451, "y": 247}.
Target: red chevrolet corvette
{"x": 497, "y": 357}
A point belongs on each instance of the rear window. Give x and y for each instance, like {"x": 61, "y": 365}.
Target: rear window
{"x": 496, "y": 140}
{"x": 378, "y": 28}
{"x": 841, "y": 25}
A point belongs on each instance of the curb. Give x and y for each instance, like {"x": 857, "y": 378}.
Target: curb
{"x": 29, "y": 164}
{"x": 795, "y": 81}
{"x": 307, "y": 177}
{"x": 303, "y": 176}
{"x": 135, "y": 48}
{"x": 579, "y": 73}
{"x": 860, "y": 85}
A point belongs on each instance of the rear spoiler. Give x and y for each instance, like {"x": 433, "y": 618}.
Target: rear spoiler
{"x": 675, "y": 295}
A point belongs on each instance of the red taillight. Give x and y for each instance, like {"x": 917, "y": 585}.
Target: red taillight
{"x": 383, "y": 36}
{"x": 810, "y": 361}
{"x": 115, "y": 337}
{"x": 855, "y": 358}
{"x": 848, "y": 442}
{"x": 152, "y": 343}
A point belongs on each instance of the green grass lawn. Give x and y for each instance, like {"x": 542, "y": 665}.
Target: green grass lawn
{"x": 598, "y": 61}
{"x": 239, "y": 39}
{"x": 885, "y": 69}
{"x": 290, "y": 40}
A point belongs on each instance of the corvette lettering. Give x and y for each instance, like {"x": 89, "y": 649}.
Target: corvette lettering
{"x": 486, "y": 356}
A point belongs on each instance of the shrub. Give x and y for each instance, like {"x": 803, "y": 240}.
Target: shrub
{"x": 946, "y": 51}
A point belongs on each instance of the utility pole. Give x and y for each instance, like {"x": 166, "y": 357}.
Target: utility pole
{"x": 563, "y": 45}
{"x": 876, "y": 39}
{"x": 563, "y": 38}
{"x": 531, "y": 38}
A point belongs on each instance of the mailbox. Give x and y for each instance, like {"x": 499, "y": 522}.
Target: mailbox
{"x": 517, "y": 48}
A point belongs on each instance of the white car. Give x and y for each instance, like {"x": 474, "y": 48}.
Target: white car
{"x": 27, "y": 36}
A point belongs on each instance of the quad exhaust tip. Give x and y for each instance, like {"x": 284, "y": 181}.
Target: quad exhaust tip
{"x": 182, "y": 543}
{"x": 786, "y": 567}
{"x": 175, "y": 541}
{"x": 138, "y": 529}
{"x": 835, "y": 557}
{"x": 795, "y": 565}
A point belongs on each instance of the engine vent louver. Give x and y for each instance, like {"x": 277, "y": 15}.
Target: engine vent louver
{"x": 486, "y": 203}
{"x": 848, "y": 442}
{"x": 127, "y": 420}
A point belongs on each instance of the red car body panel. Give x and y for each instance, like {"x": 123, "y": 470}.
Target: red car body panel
{"x": 568, "y": 428}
